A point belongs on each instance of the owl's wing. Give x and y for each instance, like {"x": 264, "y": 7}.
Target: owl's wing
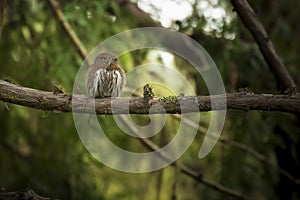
{"x": 123, "y": 78}
{"x": 118, "y": 83}
{"x": 92, "y": 83}
{"x": 89, "y": 83}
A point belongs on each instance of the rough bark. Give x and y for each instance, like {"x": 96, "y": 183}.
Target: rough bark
{"x": 62, "y": 102}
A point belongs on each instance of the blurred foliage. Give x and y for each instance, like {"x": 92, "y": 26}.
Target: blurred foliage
{"x": 41, "y": 149}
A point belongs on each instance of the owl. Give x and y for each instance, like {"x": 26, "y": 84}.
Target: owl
{"x": 105, "y": 77}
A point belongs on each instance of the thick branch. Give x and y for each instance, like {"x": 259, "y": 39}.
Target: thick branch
{"x": 250, "y": 20}
{"x": 33, "y": 98}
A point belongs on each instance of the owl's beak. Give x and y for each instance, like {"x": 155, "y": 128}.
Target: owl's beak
{"x": 113, "y": 61}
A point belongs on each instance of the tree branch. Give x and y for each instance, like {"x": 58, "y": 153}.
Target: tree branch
{"x": 24, "y": 195}
{"x": 248, "y": 149}
{"x": 68, "y": 29}
{"x": 197, "y": 176}
{"x": 251, "y": 22}
{"x": 2, "y": 13}
{"x": 62, "y": 102}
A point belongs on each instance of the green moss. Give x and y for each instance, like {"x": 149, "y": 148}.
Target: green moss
{"x": 173, "y": 99}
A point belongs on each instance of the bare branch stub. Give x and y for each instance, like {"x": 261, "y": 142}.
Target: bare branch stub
{"x": 148, "y": 93}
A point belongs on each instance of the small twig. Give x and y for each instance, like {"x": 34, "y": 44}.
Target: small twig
{"x": 68, "y": 29}
{"x": 148, "y": 93}
{"x": 240, "y": 146}
{"x": 261, "y": 158}
{"x": 251, "y": 22}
